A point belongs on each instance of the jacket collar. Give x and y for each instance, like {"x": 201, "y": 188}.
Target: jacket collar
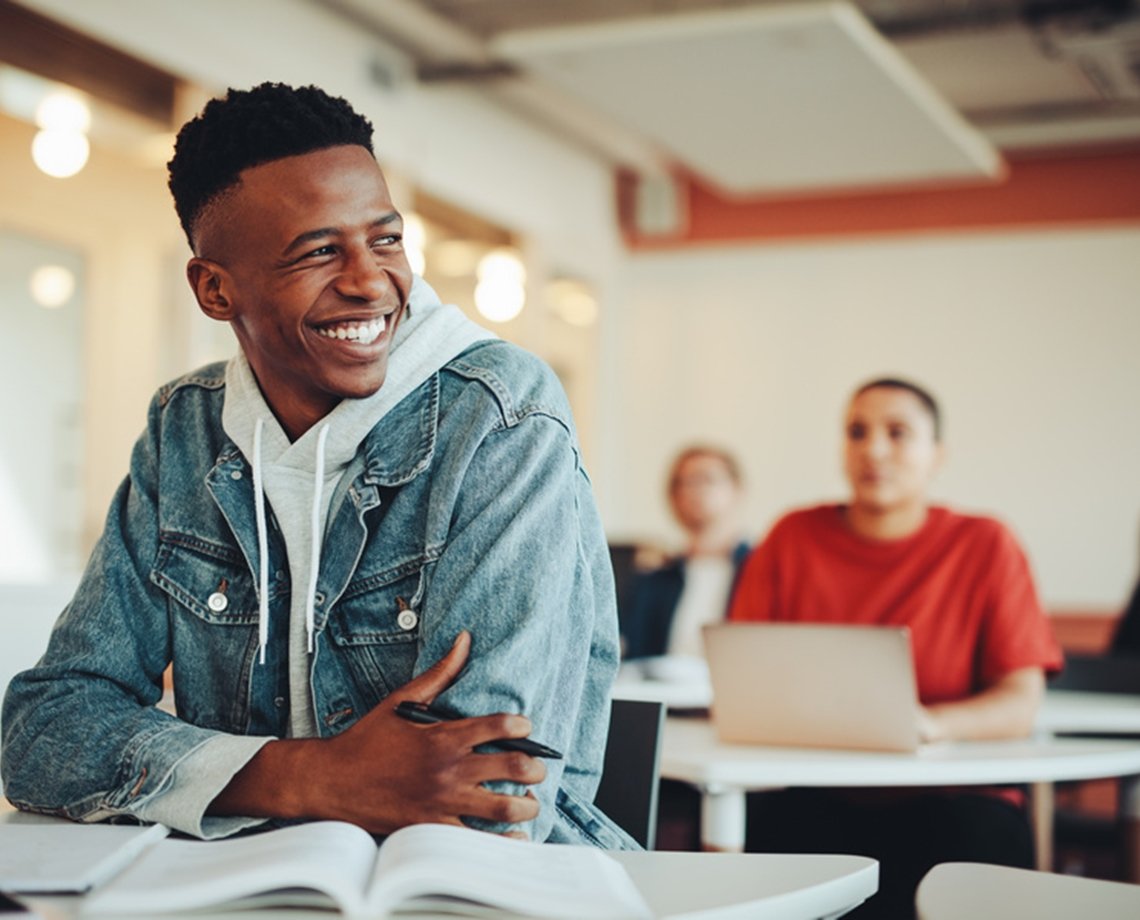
{"x": 402, "y": 445}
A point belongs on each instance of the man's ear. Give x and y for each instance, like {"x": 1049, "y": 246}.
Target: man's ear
{"x": 210, "y": 284}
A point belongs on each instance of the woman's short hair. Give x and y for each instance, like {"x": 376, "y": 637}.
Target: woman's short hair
{"x": 703, "y": 450}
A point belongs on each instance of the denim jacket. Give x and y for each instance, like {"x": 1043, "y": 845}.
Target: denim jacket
{"x": 466, "y": 505}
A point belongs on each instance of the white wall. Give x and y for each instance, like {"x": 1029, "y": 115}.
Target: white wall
{"x": 1028, "y": 339}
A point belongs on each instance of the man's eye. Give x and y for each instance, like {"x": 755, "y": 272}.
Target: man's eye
{"x": 898, "y": 433}
{"x": 856, "y": 432}
{"x": 389, "y": 239}
{"x": 318, "y": 253}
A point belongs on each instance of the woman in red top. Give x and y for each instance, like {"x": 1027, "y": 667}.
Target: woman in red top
{"x": 982, "y": 643}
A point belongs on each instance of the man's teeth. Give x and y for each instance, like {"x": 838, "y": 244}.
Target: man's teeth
{"x": 364, "y": 333}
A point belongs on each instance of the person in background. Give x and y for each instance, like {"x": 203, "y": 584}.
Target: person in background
{"x": 375, "y": 501}
{"x": 670, "y": 604}
{"x": 1125, "y": 643}
{"x": 982, "y": 644}
{"x": 1126, "y": 636}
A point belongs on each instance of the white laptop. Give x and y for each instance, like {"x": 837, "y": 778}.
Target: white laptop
{"x": 813, "y": 685}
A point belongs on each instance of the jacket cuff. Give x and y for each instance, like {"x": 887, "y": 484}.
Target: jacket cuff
{"x": 194, "y": 781}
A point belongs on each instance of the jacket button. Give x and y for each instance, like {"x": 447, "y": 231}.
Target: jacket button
{"x": 236, "y": 474}
{"x": 217, "y": 602}
{"x": 407, "y": 619}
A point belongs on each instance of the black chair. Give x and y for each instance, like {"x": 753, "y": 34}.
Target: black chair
{"x": 1117, "y": 672}
{"x": 627, "y": 792}
{"x": 1126, "y": 636}
{"x": 1088, "y": 843}
{"x": 623, "y": 559}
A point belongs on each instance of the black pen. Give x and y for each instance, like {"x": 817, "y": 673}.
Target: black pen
{"x": 427, "y": 714}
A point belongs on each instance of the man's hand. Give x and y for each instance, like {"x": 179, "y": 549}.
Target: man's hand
{"x": 384, "y": 772}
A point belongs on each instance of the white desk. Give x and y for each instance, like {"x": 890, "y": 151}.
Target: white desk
{"x": 677, "y": 886}
{"x": 701, "y": 886}
{"x": 1083, "y": 712}
{"x": 951, "y": 891}
{"x": 724, "y": 773}
{"x": 1063, "y": 711}
{"x": 675, "y": 694}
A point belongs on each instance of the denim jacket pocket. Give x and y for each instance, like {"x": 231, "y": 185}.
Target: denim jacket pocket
{"x": 206, "y": 579}
{"x": 375, "y": 628}
{"x": 213, "y": 614}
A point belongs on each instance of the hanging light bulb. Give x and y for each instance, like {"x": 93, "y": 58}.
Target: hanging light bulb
{"x": 60, "y": 153}
{"x": 62, "y": 110}
{"x": 52, "y": 286}
{"x": 60, "y": 148}
{"x": 500, "y": 293}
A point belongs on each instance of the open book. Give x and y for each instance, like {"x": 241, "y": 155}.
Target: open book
{"x": 331, "y": 863}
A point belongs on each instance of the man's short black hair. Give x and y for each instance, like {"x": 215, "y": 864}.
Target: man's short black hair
{"x": 897, "y": 383}
{"x": 249, "y": 127}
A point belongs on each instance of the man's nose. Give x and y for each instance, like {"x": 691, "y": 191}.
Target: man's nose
{"x": 363, "y": 277}
{"x": 876, "y": 444}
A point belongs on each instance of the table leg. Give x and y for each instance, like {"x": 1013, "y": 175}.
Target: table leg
{"x": 1041, "y": 818}
{"x": 723, "y": 816}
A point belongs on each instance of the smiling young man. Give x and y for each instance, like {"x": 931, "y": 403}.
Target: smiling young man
{"x": 980, "y": 638}
{"x": 375, "y": 501}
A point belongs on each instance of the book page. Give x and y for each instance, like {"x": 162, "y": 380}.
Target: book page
{"x": 50, "y": 856}
{"x": 535, "y": 879}
{"x": 330, "y": 857}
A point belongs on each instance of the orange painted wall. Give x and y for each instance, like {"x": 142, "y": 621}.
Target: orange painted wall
{"x": 1087, "y": 188}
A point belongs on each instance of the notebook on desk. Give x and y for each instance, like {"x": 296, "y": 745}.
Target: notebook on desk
{"x": 42, "y": 855}
{"x": 813, "y": 685}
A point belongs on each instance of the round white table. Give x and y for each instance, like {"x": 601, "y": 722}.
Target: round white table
{"x": 725, "y": 773}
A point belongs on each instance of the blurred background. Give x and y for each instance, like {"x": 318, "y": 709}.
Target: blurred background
{"x": 713, "y": 219}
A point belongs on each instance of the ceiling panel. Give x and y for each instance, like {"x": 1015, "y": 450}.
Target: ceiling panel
{"x": 773, "y": 99}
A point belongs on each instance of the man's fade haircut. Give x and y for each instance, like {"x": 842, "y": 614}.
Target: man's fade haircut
{"x": 929, "y": 403}
{"x": 246, "y": 128}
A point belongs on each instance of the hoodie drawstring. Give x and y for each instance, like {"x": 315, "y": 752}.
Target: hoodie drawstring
{"x": 315, "y": 557}
{"x": 263, "y": 541}
{"x": 262, "y": 546}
